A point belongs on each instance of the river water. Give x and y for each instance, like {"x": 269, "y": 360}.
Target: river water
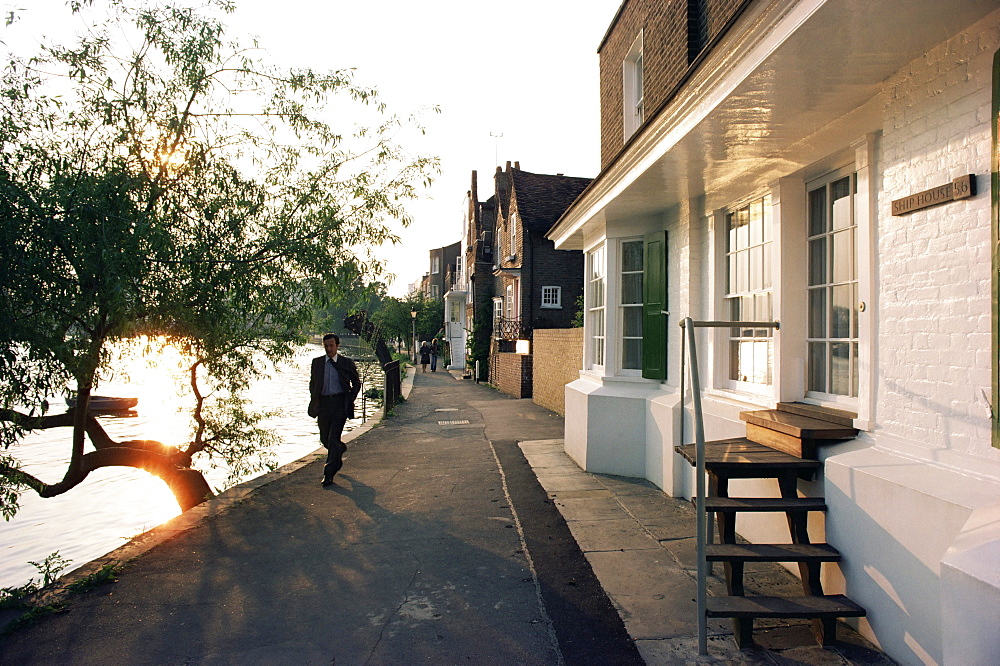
{"x": 115, "y": 504}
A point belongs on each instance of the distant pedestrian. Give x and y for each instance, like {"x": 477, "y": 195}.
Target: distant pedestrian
{"x": 333, "y": 386}
{"x": 425, "y": 355}
{"x": 435, "y": 351}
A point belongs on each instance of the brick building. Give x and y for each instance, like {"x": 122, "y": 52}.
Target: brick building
{"x": 469, "y": 305}
{"x": 536, "y": 285}
{"x": 825, "y": 164}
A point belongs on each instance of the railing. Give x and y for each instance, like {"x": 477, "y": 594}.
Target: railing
{"x": 454, "y": 280}
{"x": 510, "y": 329}
{"x": 703, "y": 524}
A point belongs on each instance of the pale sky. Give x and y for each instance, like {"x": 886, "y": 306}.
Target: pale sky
{"x": 526, "y": 69}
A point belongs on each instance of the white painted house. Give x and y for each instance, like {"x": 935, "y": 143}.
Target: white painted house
{"x": 788, "y": 162}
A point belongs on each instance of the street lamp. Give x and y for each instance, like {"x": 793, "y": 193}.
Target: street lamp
{"x": 413, "y": 315}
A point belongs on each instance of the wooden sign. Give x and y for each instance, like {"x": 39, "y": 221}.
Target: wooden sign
{"x": 960, "y": 188}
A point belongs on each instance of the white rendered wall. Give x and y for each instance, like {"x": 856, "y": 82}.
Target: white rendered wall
{"x": 605, "y": 426}
{"x": 907, "y": 511}
{"x": 934, "y": 279}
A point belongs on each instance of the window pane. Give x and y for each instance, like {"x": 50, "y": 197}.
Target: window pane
{"x": 731, "y": 272}
{"x": 756, "y": 223}
{"x": 632, "y": 324}
{"x": 632, "y": 354}
{"x": 632, "y": 256}
{"x": 761, "y": 362}
{"x": 843, "y": 259}
{"x": 762, "y": 312}
{"x": 817, "y": 261}
{"x": 734, "y": 315}
{"x": 766, "y": 205}
{"x": 598, "y": 294}
{"x": 731, "y": 232}
{"x": 734, "y": 360}
{"x": 840, "y": 368}
{"x": 766, "y": 279}
{"x": 854, "y": 368}
{"x": 817, "y": 313}
{"x": 632, "y": 288}
{"x": 741, "y": 272}
{"x": 734, "y": 309}
{"x": 840, "y": 193}
{"x": 747, "y": 312}
{"x": 817, "y": 366}
{"x": 840, "y": 324}
{"x": 854, "y": 310}
{"x": 756, "y": 268}
{"x": 743, "y": 228}
{"x": 817, "y": 212}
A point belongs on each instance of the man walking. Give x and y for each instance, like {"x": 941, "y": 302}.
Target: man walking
{"x": 333, "y": 386}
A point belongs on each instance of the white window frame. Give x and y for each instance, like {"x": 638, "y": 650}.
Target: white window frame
{"x": 761, "y": 294}
{"x": 435, "y": 292}
{"x": 623, "y": 306}
{"x": 824, "y": 182}
{"x": 435, "y": 264}
{"x": 552, "y": 297}
{"x": 497, "y": 313}
{"x": 596, "y": 309}
{"x": 633, "y": 104}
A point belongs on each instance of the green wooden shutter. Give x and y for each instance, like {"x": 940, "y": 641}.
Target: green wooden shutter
{"x": 654, "y": 304}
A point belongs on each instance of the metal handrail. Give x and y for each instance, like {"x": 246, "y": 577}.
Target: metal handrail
{"x": 689, "y": 327}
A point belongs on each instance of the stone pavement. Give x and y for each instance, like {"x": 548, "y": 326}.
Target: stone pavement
{"x": 458, "y": 531}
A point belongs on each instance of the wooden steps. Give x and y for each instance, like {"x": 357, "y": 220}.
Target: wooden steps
{"x": 797, "y": 428}
{"x": 780, "y": 444}
{"x": 827, "y": 606}
{"x": 764, "y": 504}
{"x": 770, "y": 552}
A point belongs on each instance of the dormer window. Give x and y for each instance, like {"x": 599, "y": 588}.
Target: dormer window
{"x": 632, "y": 78}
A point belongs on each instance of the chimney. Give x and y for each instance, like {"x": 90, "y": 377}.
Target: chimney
{"x": 508, "y": 165}
{"x": 517, "y": 165}
{"x": 500, "y": 168}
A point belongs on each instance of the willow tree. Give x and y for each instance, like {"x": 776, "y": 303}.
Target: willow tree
{"x": 160, "y": 181}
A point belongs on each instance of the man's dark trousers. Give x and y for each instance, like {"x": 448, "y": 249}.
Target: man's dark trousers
{"x": 332, "y": 417}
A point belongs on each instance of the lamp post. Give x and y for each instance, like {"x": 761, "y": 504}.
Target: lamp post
{"x": 413, "y": 316}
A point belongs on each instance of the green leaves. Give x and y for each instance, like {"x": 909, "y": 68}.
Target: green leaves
{"x": 158, "y": 179}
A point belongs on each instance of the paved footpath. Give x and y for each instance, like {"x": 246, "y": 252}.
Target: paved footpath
{"x": 457, "y": 532}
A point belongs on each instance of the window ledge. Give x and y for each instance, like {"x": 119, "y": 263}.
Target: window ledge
{"x": 754, "y": 400}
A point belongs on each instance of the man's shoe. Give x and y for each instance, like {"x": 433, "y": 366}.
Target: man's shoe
{"x": 327, "y": 482}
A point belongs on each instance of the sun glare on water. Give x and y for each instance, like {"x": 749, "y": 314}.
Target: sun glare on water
{"x": 156, "y": 373}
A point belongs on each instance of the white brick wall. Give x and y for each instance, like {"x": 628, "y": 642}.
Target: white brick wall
{"x": 933, "y": 346}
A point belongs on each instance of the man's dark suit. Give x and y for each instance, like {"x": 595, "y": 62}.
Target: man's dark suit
{"x": 332, "y": 411}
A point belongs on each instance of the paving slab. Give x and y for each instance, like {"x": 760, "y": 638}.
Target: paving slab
{"x": 611, "y": 535}
{"x": 562, "y": 482}
{"x": 589, "y": 508}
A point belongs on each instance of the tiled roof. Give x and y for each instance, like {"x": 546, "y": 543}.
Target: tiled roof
{"x": 542, "y": 198}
